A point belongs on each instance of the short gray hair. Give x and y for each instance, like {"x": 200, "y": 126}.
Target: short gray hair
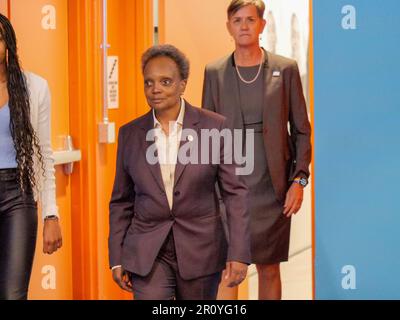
{"x": 167, "y": 50}
{"x": 236, "y": 5}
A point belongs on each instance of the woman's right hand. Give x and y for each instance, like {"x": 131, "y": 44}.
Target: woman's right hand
{"x": 122, "y": 278}
{"x": 52, "y": 239}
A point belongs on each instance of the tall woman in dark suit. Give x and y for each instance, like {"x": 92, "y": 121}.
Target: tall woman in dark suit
{"x": 261, "y": 91}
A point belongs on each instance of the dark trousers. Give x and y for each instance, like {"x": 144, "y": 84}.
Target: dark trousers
{"x": 18, "y": 229}
{"x": 165, "y": 283}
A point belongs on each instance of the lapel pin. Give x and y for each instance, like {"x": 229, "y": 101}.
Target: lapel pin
{"x": 190, "y": 138}
{"x": 276, "y": 74}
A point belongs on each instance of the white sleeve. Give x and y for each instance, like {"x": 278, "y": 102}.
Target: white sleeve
{"x": 48, "y": 181}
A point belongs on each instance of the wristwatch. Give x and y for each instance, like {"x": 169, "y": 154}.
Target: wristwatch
{"x": 301, "y": 181}
{"x": 51, "y": 217}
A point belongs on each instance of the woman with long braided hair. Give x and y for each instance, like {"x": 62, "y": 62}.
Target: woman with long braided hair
{"x": 26, "y": 169}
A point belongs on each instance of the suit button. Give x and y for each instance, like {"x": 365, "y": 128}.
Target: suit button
{"x": 177, "y": 193}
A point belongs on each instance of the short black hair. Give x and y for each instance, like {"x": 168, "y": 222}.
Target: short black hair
{"x": 167, "y": 50}
{"x": 236, "y": 5}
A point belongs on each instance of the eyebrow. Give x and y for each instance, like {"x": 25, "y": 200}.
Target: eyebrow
{"x": 161, "y": 78}
{"x": 244, "y": 17}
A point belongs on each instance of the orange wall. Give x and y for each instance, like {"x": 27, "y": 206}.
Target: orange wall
{"x": 91, "y": 186}
{"x": 128, "y": 40}
{"x": 4, "y": 7}
{"x": 84, "y": 98}
{"x": 37, "y": 46}
{"x": 199, "y": 32}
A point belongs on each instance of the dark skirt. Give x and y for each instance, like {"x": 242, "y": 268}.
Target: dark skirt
{"x": 270, "y": 229}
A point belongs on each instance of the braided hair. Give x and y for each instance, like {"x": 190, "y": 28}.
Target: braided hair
{"x": 26, "y": 142}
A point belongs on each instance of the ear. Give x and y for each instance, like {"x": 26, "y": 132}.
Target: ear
{"x": 228, "y": 26}
{"x": 263, "y": 25}
{"x": 182, "y": 86}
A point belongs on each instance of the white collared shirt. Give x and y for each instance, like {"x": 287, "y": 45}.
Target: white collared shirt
{"x": 167, "y": 149}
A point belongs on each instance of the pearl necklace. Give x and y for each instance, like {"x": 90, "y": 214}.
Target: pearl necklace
{"x": 258, "y": 73}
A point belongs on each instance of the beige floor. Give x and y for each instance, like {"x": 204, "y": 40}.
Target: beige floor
{"x": 297, "y": 272}
{"x": 296, "y": 278}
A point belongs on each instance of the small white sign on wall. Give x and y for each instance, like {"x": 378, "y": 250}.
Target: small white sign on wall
{"x": 113, "y": 83}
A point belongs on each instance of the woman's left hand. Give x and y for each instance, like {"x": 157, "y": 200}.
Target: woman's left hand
{"x": 294, "y": 199}
{"x": 52, "y": 239}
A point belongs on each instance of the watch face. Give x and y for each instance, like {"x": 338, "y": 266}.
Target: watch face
{"x": 303, "y": 182}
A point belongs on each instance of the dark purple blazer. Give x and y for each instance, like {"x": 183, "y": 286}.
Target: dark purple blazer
{"x": 140, "y": 217}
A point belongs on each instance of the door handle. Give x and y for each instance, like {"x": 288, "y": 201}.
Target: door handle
{"x": 67, "y": 156}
